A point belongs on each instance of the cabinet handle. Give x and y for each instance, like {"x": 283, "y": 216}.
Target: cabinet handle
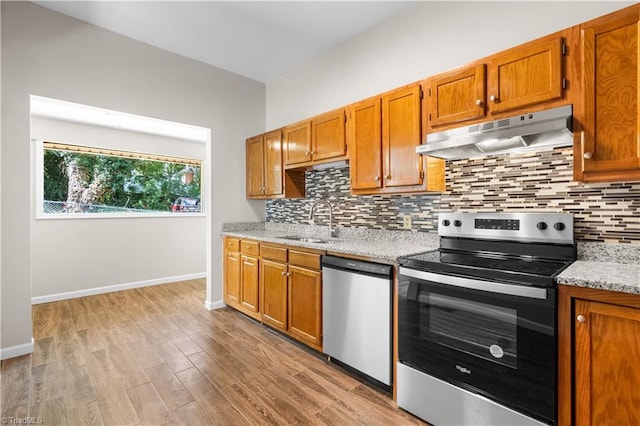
{"x": 284, "y": 273}
{"x": 388, "y": 177}
{"x": 581, "y": 318}
{"x": 377, "y": 178}
{"x": 313, "y": 152}
{"x": 478, "y": 102}
{"x": 587, "y": 155}
{"x": 492, "y": 98}
{"x": 307, "y": 153}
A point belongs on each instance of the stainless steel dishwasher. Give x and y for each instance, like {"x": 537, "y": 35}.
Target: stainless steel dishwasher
{"x": 356, "y": 315}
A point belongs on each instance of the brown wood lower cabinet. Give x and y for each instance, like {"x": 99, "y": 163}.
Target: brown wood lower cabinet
{"x": 599, "y": 359}
{"x": 241, "y": 287}
{"x": 291, "y": 285}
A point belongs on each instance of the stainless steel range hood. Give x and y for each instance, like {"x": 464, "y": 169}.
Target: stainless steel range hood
{"x": 526, "y": 132}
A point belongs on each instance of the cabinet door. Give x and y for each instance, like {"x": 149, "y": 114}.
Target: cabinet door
{"x": 400, "y": 136}
{"x": 457, "y": 96}
{"x": 250, "y": 290}
{"x": 273, "y": 173}
{"x": 607, "y": 364}
{"x": 305, "y": 305}
{"x": 232, "y": 277}
{"x": 273, "y": 280}
{"x": 365, "y": 144}
{"x": 327, "y": 135}
{"x": 297, "y": 143}
{"x": 526, "y": 76}
{"x": 255, "y": 166}
{"x": 611, "y": 144}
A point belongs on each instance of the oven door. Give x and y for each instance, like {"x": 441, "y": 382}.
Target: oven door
{"x": 494, "y": 339}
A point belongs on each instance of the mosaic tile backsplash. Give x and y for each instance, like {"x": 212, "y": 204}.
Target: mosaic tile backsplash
{"x": 540, "y": 181}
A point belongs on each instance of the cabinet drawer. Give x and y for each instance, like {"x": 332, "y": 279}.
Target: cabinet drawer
{"x": 250, "y": 247}
{"x": 232, "y": 244}
{"x": 307, "y": 260}
{"x": 273, "y": 253}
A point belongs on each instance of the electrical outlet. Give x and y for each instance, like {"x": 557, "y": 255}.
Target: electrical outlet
{"x": 406, "y": 221}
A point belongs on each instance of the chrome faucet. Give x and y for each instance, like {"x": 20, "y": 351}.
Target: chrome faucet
{"x": 313, "y": 209}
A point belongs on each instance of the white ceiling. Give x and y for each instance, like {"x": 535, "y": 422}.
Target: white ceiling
{"x": 257, "y": 39}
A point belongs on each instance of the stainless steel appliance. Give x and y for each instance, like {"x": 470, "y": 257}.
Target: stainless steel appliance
{"x": 477, "y": 320}
{"x": 524, "y": 132}
{"x": 356, "y": 315}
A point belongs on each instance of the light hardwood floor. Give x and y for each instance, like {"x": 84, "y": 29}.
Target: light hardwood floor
{"x": 155, "y": 355}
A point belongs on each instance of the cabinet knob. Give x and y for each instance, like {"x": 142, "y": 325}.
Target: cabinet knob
{"x": 587, "y": 155}
{"x": 388, "y": 177}
{"x": 377, "y": 178}
{"x": 492, "y": 98}
{"x": 478, "y": 102}
{"x": 313, "y": 152}
{"x": 284, "y": 273}
{"x": 307, "y": 153}
{"x": 581, "y": 318}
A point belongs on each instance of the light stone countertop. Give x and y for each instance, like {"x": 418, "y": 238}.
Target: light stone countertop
{"x": 377, "y": 245}
{"x": 602, "y": 275}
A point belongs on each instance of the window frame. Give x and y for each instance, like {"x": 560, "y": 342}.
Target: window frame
{"x": 39, "y": 191}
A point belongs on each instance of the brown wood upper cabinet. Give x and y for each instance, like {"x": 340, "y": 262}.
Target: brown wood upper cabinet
{"x": 599, "y": 338}
{"x": 383, "y": 133}
{"x": 608, "y": 148}
{"x": 317, "y": 140}
{"x": 529, "y": 74}
{"x": 266, "y": 177}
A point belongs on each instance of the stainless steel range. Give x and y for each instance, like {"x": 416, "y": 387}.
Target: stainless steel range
{"x": 477, "y": 320}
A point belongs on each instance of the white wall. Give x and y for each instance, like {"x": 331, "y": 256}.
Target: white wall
{"x": 75, "y": 255}
{"x": 48, "y": 54}
{"x": 432, "y": 37}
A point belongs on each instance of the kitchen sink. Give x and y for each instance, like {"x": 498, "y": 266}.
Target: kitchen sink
{"x": 306, "y": 239}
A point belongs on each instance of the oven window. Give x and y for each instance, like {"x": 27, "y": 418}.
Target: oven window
{"x": 486, "y": 331}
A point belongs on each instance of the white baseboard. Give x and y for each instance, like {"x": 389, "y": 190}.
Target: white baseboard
{"x": 17, "y": 350}
{"x": 218, "y": 304}
{"x": 117, "y": 287}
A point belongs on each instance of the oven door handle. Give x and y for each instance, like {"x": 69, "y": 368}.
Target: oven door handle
{"x": 510, "y": 289}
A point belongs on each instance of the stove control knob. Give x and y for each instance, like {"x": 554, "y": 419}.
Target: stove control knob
{"x": 541, "y": 226}
{"x": 457, "y": 223}
{"x": 446, "y": 222}
{"x": 559, "y": 226}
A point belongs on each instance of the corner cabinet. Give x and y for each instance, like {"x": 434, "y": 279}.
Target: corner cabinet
{"x": 599, "y": 359}
{"x": 524, "y": 76}
{"x": 383, "y": 133}
{"x": 608, "y": 148}
{"x": 265, "y": 175}
{"x": 241, "y": 287}
{"x": 315, "y": 141}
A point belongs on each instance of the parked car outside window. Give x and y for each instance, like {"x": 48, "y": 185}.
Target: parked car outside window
{"x": 186, "y": 204}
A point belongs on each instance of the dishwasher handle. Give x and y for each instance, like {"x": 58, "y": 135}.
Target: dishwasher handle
{"x": 357, "y": 266}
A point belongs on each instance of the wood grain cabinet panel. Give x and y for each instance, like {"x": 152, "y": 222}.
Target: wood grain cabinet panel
{"x": 274, "y": 300}
{"x": 255, "y": 166}
{"x": 305, "y": 305}
{"x": 607, "y": 357}
{"x": 365, "y": 139}
{"x": 457, "y": 96}
{"x": 232, "y": 277}
{"x": 328, "y": 136}
{"x": 297, "y": 143}
{"x": 265, "y": 174}
{"x": 528, "y": 75}
{"x": 401, "y": 134}
{"x": 610, "y": 145}
{"x": 383, "y": 133}
{"x": 250, "y": 294}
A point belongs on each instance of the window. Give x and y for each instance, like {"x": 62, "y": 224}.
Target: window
{"x": 82, "y": 180}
